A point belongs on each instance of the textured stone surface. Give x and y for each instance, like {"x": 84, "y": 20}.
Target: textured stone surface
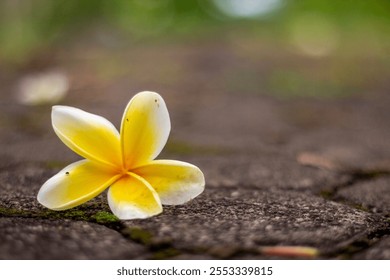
{"x": 246, "y": 218}
{"x": 24, "y": 238}
{"x": 373, "y": 195}
{"x": 268, "y": 170}
{"x": 305, "y": 171}
{"x": 379, "y": 251}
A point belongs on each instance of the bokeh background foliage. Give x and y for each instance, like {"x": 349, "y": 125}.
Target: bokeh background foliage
{"x": 348, "y": 34}
{"x": 26, "y": 25}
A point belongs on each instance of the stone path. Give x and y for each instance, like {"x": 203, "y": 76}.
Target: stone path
{"x": 312, "y": 173}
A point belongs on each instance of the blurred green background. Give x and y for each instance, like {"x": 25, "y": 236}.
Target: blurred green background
{"x": 311, "y": 47}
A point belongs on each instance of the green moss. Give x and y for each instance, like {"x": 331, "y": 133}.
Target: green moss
{"x": 46, "y": 214}
{"x": 166, "y": 253}
{"x": 103, "y": 217}
{"x": 75, "y": 214}
{"x": 356, "y": 246}
{"x": 327, "y": 194}
{"x": 138, "y": 235}
{"x": 361, "y": 207}
{"x": 68, "y": 214}
{"x": 9, "y": 212}
{"x": 371, "y": 173}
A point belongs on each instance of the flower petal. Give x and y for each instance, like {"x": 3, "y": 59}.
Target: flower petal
{"x": 176, "y": 182}
{"x": 132, "y": 197}
{"x": 75, "y": 184}
{"x": 89, "y": 135}
{"x": 145, "y": 128}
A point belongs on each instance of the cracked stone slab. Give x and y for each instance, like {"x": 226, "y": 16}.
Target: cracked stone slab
{"x": 241, "y": 219}
{"x": 26, "y": 238}
{"x": 250, "y": 212}
{"x": 373, "y": 195}
{"x": 19, "y": 185}
{"x": 30, "y": 231}
{"x": 259, "y": 208}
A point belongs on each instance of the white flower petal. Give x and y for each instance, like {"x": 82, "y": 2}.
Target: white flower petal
{"x": 132, "y": 197}
{"x": 145, "y": 128}
{"x": 176, "y": 182}
{"x": 75, "y": 184}
{"x": 89, "y": 135}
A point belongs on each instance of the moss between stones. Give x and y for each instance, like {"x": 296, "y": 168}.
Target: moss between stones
{"x": 166, "y": 253}
{"x": 327, "y": 194}
{"x": 360, "y": 207}
{"x": 138, "y": 235}
{"x": 101, "y": 217}
{"x": 104, "y": 217}
{"x": 160, "y": 249}
{"x": 11, "y": 212}
{"x": 68, "y": 214}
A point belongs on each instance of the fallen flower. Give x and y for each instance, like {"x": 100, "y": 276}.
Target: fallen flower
{"x": 138, "y": 184}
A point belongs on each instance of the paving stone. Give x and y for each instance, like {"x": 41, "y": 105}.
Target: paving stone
{"x": 268, "y": 170}
{"x": 350, "y": 133}
{"x": 259, "y": 190}
{"x": 373, "y": 195}
{"x": 234, "y": 215}
{"x": 379, "y": 251}
{"x": 30, "y": 231}
{"x": 242, "y": 122}
{"x": 19, "y": 186}
{"x": 26, "y": 238}
{"x": 244, "y": 218}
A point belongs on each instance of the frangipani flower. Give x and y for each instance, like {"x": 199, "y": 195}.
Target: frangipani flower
{"x": 138, "y": 184}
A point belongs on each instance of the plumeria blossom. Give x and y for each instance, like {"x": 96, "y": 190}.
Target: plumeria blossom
{"x": 123, "y": 162}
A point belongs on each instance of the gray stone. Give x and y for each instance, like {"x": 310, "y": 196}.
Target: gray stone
{"x": 378, "y": 251}
{"x": 373, "y": 195}
{"x": 245, "y": 206}
{"x": 26, "y": 238}
{"x": 267, "y": 170}
{"x": 260, "y": 190}
{"x": 247, "y": 218}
